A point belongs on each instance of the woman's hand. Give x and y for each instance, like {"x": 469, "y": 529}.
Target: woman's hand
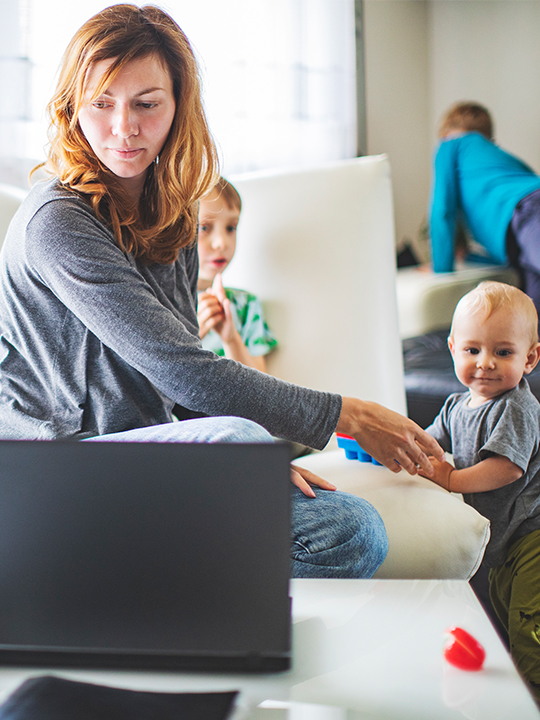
{"x": 304, "y": 479}
{"x": 392, "y": 439}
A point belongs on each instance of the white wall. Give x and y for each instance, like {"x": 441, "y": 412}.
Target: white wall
{"x": 490, "y": 52}
{"x": 423, "y": 55}
{"x": 397, "y": 101}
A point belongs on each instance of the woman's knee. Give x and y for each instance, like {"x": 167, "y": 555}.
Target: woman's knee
{"x": 239, "y": 430}
{"x": 336, "y": 535}
{"x": 200, "y": 430}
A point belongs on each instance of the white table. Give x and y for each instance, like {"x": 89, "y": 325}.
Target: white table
{"x": 363, "y": 649}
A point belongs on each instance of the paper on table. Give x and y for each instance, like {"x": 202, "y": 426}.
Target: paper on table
{"x": 54, "y": 698}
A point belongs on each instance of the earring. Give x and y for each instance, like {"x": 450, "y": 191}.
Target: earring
{"x": 156, "y": 161}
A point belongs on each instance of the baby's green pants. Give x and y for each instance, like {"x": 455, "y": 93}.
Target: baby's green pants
{"x": 514, "y": 588}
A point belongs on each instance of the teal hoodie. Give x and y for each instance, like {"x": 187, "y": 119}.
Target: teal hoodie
{"x": 475, "y": 180}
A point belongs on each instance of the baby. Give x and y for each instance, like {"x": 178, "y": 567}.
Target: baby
{"x": 231, "y": 321}
{"x": 493, "y": 432}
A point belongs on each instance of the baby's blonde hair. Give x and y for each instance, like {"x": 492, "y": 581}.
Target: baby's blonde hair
{"x": 489, "y": 296}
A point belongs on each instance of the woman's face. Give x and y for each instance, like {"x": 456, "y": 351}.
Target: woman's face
{"x": 128, "y": 123}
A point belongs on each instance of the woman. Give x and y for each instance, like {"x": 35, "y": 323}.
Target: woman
{"x": 98, "y": 289}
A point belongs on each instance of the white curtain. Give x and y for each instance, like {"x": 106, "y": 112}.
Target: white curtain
{"x": 278, "y": 75}
{"x": 279, "y": 79}
{"x": 15, "y": 75}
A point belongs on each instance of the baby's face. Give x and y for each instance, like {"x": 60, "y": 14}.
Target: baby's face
{"x": 491, "y": 355}
{"x": 217, "y": 236}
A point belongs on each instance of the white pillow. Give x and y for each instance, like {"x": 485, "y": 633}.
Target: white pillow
{"x": 432, "y": 533}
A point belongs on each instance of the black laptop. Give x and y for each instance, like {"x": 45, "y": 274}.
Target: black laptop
{"x": 145, "y": 555}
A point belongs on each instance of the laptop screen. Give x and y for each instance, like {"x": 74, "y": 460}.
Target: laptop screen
{"x": 145, "y": 554}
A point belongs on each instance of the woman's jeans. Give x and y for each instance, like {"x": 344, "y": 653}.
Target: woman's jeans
{"x": 334, "y": 535}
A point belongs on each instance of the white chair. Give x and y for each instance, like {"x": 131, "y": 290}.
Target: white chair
{"x": 317, "y": 246}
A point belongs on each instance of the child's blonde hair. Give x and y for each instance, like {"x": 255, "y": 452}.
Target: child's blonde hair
{"x": 489, "y": 296}
{"x": 228, "y": 192}
{"x": 468, "y": 117}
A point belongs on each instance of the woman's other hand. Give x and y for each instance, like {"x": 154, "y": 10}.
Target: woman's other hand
{"x": 304, "y": 479}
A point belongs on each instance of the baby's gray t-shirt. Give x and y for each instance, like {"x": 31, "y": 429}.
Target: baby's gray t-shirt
{"x": 508, "y": 425}
{"x": 94, "y": 341}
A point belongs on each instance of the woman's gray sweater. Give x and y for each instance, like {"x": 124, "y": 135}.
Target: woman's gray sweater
{"x": 94, "y": 341}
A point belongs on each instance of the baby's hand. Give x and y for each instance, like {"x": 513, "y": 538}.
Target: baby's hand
{"x": 441, "y": 473}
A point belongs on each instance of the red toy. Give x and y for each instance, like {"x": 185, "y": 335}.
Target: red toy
{"x": 463, "y": 651}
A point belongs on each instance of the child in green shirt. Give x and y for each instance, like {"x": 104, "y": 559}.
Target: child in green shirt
{"x": 231, "y": 321}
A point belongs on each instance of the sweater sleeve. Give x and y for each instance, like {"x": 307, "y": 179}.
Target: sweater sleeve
{"x": 444, "y": 207}
{"x": 70, "y": 254}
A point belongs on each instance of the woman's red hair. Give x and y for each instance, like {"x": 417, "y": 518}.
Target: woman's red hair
{"x": 166, "y": 218}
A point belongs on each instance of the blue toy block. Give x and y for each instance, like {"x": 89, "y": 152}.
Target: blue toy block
{"x": 353, "y": 451}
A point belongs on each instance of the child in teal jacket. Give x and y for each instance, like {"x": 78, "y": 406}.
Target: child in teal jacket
{"x": 494, "y": 194}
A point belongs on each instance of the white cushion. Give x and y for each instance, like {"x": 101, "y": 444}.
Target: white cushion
{"x": 432, "y": 533}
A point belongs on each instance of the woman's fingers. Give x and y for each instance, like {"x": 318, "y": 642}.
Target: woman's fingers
{"x": 392, "y": 439}
{"x": 304, "y": 479}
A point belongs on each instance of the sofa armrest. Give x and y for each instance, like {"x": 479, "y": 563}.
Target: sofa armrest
{"x": 432, "y": 534}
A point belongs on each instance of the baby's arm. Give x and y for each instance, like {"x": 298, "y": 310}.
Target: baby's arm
{"x": 494, "y": 472}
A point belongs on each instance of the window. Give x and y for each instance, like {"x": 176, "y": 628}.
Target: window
{"x": 278, "y": 75}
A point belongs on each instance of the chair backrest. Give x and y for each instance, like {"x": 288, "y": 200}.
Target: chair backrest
{"x": 10, "y": 199}
{"x": 317, "y": 246}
